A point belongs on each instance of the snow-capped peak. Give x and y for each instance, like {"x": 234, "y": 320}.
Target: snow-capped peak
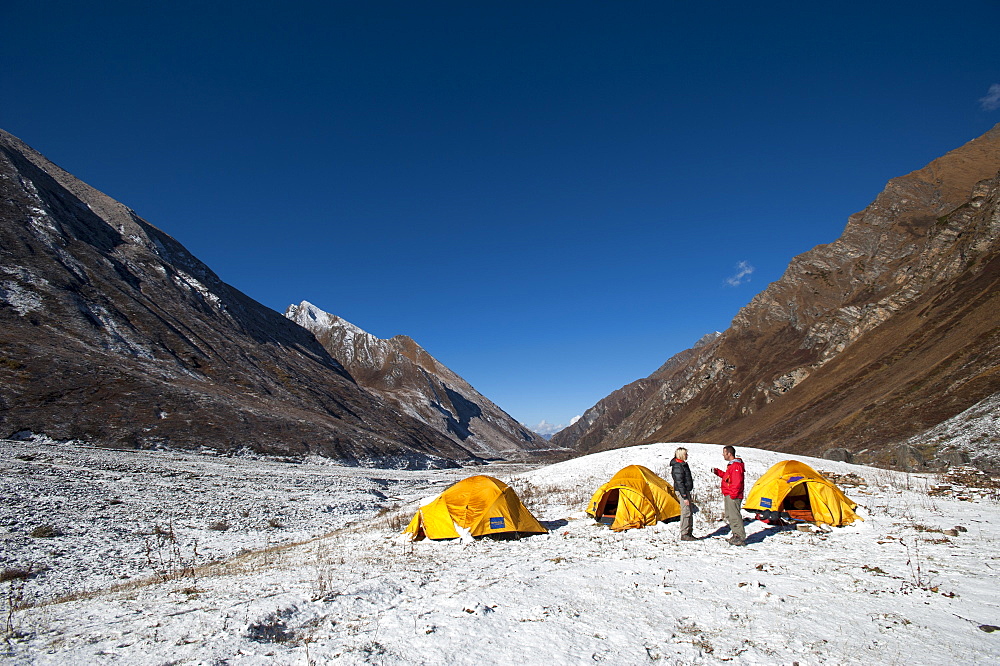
{"x": 309, "y": 316}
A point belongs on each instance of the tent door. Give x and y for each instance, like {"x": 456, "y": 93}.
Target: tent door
{"x": 796, "y": 504}
{"x": 608, "y": 509}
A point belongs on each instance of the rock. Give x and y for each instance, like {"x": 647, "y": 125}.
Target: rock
{"x": 908, "y": 459}
{"x": 953, "y": 458}
{"x": 840, "y": 455}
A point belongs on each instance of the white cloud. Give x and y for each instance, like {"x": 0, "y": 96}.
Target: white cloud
{"x": 992, "y": 100}
{"x": 743, "y": 272}
{"x": 574, "y": 419}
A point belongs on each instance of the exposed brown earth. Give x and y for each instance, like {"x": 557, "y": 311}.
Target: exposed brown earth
{"x": 112, "y": 333}
{"x": 861, "y": 344}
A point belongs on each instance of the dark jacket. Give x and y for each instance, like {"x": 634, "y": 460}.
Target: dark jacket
{"x": 683, "y": 482}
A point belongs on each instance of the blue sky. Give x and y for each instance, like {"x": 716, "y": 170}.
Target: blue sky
{"x": 551, "y": 197}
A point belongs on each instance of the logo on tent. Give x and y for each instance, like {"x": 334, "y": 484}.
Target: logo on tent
{"x": 765, "y": 502}
{"x": 497, "y": 523}
{"x": 793, "y": 479}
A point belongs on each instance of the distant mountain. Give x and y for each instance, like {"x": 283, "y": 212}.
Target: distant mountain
{"x": 547, "y": 430}
{"x": 113, "y": 334}
{"x": 405, "y": 375}
{"x": 863, "y": 344}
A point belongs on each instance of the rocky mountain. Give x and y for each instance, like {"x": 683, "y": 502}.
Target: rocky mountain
{"x": 405, "y": 375}
{"x": 112, "y": 333}
{"x": 862, "y": 345}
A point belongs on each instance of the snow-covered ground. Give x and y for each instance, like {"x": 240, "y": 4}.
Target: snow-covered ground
{"x": 118, "y": 515}
{"x": 903, "y": 587}
{"x": 974, "y": 432}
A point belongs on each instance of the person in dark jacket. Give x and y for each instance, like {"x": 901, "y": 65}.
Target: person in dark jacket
{"x": 683, "y": 485}
{"x": 732, "y": 493}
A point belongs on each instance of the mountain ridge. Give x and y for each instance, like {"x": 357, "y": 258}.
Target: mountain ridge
{"x": 113, "y": 333}
{"x": 924, "y": 248}
{"x": 405, "y": 374}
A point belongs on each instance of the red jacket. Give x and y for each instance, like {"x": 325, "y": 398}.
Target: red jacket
{"x": 732, "y": 479}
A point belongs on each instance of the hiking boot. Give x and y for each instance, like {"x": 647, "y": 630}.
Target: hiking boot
{"x": 689, "y": 537}
{"x": 736, "y": 541}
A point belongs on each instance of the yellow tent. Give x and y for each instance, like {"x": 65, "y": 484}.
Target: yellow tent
{"x": 797, "y": 489}
{"x": 635, "y": 497}
{"x": 479, "y": 504}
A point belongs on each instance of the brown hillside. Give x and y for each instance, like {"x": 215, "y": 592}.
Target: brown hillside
{"x": 862, "y": 343}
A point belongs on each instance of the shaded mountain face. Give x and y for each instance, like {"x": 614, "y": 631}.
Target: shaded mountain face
{"x": 405, "y": 375}
{"x": 112, "y": 333}
{"x": 862, "y": 344}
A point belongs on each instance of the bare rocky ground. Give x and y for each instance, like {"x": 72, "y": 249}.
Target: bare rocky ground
{"x": 76, "y": 518}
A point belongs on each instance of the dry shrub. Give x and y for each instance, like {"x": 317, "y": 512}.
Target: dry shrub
{"x": 271, "y": 629}
{"x": 531, "y": 493}
{"x": 526, "y": 491}
{"x": 166, "y": 555}
{"x": 900, "y": 481}
{"x": 46, "y": 532}
{"x": 393, "y": 518}
{"x": 16, "y": 573}
{"x": 920, "y": 527}
{"x": 709, "y": 506}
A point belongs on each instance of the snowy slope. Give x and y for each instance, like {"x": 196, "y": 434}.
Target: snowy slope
{"x": 896, "y": 589}
{"x": 974, "y": 434}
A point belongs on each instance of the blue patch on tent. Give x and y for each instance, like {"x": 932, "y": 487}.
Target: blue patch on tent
{"x": 765, "y": 502}
{"x": 497, "y": 523}
{"x": 793, "y": 479}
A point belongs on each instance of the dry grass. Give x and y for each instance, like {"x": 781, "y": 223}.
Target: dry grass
{"x": 891, "y": 480}
{"x": 249, "y": 562}
{"x": 15, "y": 600}
{"x": 920, "y": 527}
{"x": 393, "y": 518}
{"x": 534, "y": 494}
{"x": 709, "y": 505}
{"x": 176, "y": 568}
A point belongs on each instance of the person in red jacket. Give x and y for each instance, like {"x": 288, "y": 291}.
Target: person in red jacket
{"x": 732, "y": 493}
